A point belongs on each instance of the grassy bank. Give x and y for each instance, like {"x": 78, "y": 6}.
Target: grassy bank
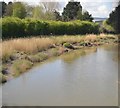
{"x": 19, "y": 55}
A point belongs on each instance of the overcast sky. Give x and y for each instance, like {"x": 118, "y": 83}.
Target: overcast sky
{"x": 98, "y": 8}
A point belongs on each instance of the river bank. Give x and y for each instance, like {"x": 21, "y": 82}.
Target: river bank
{"x": 20, "y": 55}
{"x": 70, "y": 79}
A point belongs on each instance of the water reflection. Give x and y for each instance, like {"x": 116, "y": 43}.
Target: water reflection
{"x": 69, "y": 58}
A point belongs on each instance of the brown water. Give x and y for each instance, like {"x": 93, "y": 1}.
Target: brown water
{"x": 87, "y": 77}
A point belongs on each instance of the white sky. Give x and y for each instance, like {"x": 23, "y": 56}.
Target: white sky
{"x": 98, "y": 8}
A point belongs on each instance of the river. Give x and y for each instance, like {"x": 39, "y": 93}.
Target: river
{"x": 87, "y": 77}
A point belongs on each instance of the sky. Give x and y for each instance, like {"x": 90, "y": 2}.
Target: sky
{"x": 98, "y": 8}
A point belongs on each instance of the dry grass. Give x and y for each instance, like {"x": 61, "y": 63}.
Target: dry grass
{"x": 91, "y": 38}
{"x": 102, "y": 36}
{"x": 6, "y": 51}
{"x": 20, "y": 66}
{"x": 27, "y": 45}
{"x": 34, "y": 45}
{"x": 69, "y": 39}
{"x": 108, "y": 36}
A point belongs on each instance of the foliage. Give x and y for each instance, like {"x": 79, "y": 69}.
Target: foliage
{"x": 45, "y": 11}
{"x": 19, "y": 10}
{"x": 35, "y": 27}
{"x": 71, "y": 10}
{"x": 106, "y": 28}
{"x": 86, "y": 16}
{"x": 12, "y": 27}
{"x": 3, "y": 8}
{"x": 15, "y": 27}
{"x": 114, "y": 18}
{"x": 9, "y": 9}
{"x": 38, "y": 12}
{"x": 57, "y": 16}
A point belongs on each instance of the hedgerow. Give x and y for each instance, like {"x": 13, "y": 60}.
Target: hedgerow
{"x": 14, "y": 27}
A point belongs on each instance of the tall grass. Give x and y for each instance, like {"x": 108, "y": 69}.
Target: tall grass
{"x": 34, "y": 45}
{"x": 70, "y": 39}
{"x": 27, "y": 45}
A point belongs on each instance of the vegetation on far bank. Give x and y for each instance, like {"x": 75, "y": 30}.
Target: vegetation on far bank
{"x": 19, "y": 55}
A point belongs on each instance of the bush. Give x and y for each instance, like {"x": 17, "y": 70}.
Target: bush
{"x": 35, "y": 27}
{"x": 12, "y": 27}
{"x": 15, "y": 27}
{"x": 106, "y": 28}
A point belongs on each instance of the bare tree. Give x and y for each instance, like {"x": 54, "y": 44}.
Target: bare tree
{"x": 50, "y": 6}
{"x": 49, "y": 9}
{"x": 38, "y": 12}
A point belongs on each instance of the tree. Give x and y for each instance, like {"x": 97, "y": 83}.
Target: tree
{"x": 9, "y": 9}
{"x": 86, "y": 16}
{"x": 49, "y": 9}
{"x": 50, "y": 6}
{"x": 29, "y": 10}
{"x": 114, "y": 18}
{"x": 49, "y": 15}
{"x": 3, "y": 6}
{"x": 0, "y": 9}
{"x": 57, "y": 16}
{"x": 79, "y": 15}
{"x": 38, "y": 12}
{"x": 19, "y": 10}
{"x": 70, "y": 12}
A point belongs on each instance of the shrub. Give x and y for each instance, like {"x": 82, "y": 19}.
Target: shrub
{"x": 35, "y": 27}
{"x": 12, "y": 27}
{"x": 15, "y": 27}
{"x": 106, "y": 28}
